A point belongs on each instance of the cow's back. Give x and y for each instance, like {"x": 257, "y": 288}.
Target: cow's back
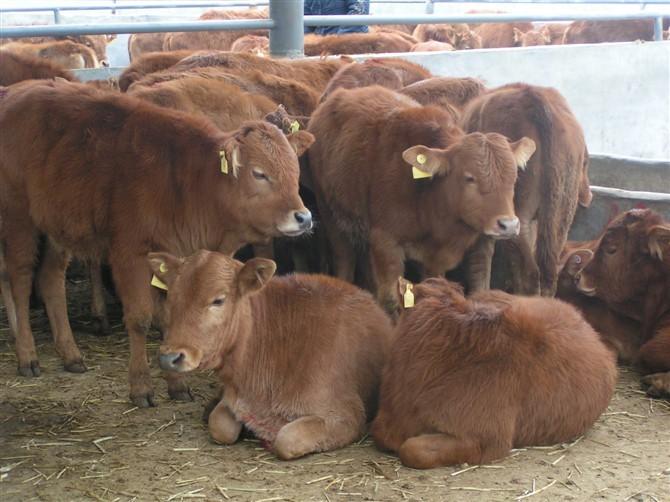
{"x": 592, "y": 32}
{"x": 500, "y": 34}
{"x": 16, "y": 68}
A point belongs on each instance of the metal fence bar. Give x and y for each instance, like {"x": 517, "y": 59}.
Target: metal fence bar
{"x": 287, "y": 35}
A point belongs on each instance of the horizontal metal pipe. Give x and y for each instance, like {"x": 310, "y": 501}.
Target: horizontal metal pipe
{"x": 469, "y": 18}
{"x": 117, "y": 28}
{"x": 134, "y": 6}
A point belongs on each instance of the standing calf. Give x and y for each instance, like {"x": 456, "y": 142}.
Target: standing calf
{"x": 299, "y": 356}
{"x": 469, "y": 379}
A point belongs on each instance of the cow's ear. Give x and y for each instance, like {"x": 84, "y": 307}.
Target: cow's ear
{"x": 577, "y": 261}
{"x": 426, "y": 162}
{"x": 659, "y": 241}
{"x": 522, "y": 151}
{"x": 546, "y": 34}
{"x": 254, "y": 274}
{"x": 230, "y": 157}
{"x": 300, "y": 141}
{"x": 518, "y": 34}
{"x": 165, "y": 267}
{"x": 110, "y": 37}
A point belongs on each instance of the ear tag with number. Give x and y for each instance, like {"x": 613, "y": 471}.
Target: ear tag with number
{"x": 408, "y": 297}
{"x": 417, "y": 173}
{"x": 295, "y": 126}
{"x": 224, "y": 162}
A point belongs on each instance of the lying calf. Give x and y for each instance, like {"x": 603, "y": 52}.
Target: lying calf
{"x": 299, "y": 357}
{"x": 469, "y": 379}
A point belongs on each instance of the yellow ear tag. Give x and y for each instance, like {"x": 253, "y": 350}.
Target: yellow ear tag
{"x": 295, "y": 126}
{"x": 157, "y": 283}
{"x": 162, "y": 268}
{"x": 408, "y": 297}
{"x": 224, "y": 162}
{"x": 417, "y": 173}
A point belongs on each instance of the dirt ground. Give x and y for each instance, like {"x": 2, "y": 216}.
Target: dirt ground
{"x": 76, "y": 437}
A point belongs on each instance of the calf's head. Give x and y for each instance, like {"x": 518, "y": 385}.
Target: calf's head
{"x": 207, "y": 305}
{"x": 633, "y": 251}
{"x": 477, "y": 175}
{"x": 263, "y": 163}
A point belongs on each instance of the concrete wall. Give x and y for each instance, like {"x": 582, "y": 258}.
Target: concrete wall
{"x": 630, "y": 173}
{"x": 620, "y": 93}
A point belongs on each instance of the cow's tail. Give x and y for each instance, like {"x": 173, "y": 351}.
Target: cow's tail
{"x": 561, "y": 175}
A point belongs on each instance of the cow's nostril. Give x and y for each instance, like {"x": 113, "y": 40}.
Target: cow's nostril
{"x": 171, "y": 361}
{"x": 502, "y": 224}
{"x": 304, "y": 218}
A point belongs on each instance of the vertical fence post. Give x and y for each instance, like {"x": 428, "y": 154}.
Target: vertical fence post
{"x": 430, "y": 7}
{"x": 287, "y": 38}
{"x": 658, "y": 28}
{"x": 56, "y": 16}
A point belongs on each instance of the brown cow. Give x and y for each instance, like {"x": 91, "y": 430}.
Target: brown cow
{"x": 298, "y": 99}
{"x": 432, "y": 46}
{"x": 315, "y": 73}
{"x": 367, "y": 141}
{"x": 595, "y": 32}
{"x": 447, "y": 92}
{"x": 215, "y": 40}
{"x": 123, "y": 178}
{"x": 402, "y": 28}
{"x": 556, "y": 31}
{"x": 621, "y": 334}
{"x": 390, "y": 73}
{"x": 404, "y": 34}
{"x": 532, "y": 37}
{"x": 469, "y": 379}
{"x": 64, "y": 53}
{"x": 97, "y": 43}
{"x": 226, "y": 105}
{"x": 141, "y": 44}
{"x": 630, "y": 272}
{"x": 149, "y": 63}
{"x": 500, "y": 34}
{"x": 548, "y": 190}
{"x": 459, "y": 36}
{"x": 253, "y": 44}
{"x": 253, "y": 329}
{"x": 355, "y": 43}
{"x": 15, "y": 68}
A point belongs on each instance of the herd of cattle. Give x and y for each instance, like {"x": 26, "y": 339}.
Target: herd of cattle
{"x": 374, "y": 172}
{"x": 88, "y": 51}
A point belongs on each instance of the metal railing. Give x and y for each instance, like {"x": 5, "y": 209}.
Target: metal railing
{"x": 286, "y": 20}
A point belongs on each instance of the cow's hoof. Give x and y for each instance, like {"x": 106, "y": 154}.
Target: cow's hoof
{"x": 657, "y": 384}
{"x": 100, "y": 327}
{"x": 181, "y": 394}
{"x": 77, "y": 366}
{"x": 30, "y": 370}
{"x": 145, "y": 400}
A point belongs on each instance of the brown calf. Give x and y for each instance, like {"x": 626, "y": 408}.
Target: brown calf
{"x": 594, "y": 32}
{"x": 432, "y": 46}
{"x": 111, "y": 190}
{"x": 315, "y": 73}
{"x": 253, "y": 44}
{"x": 446, "y": 92}
{"x": 64, "y": 53}
{"x": 256, "y": 331}
{"x": 97, "y": 43}
{"x": 389, "y": 73}
{"x": 469, "y": 379}
{"x": 532, "y": 37}
{"x": 356, "y": 43}
{"x": 459, "y": 36}
{"x": 149, "y": 63}
{"x": 367, "y": 142}
{"x": 500, "y": 34}
{"x": 16, "y": 68}
{"x": 141, "y": 44}
{"x": 630, "y": 272}
{"x": 548, "y": 190}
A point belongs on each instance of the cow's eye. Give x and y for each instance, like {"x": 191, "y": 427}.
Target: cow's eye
{"x": 259, "y": 175}
{"x": 469, "y": 178}
{"x": 218, "y": 302}
{"x": 610, "y": 249}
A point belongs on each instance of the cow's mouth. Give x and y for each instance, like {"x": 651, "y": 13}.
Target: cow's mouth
{"x": 294, "y": 233}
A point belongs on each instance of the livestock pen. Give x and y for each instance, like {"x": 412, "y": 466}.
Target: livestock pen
{"x": 67, "y": 436}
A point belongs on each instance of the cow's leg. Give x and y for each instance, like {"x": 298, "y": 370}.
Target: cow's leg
{"x": 525, "y": 271}
{"x": 51, "y": 285}
{"x": 387, "y": 264}
{"x": 20, "y": 248}
{"x": 312, "y": 433}
{"x": 98, "y": 304}
{"x": 7, "y": 297}
{"x": 479, "y": 264}
{"x": 132, "y": 280}
{"x": 657, "y": 384}
{"x": 435, "y": 450}
{"x": 223, "y": 426}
